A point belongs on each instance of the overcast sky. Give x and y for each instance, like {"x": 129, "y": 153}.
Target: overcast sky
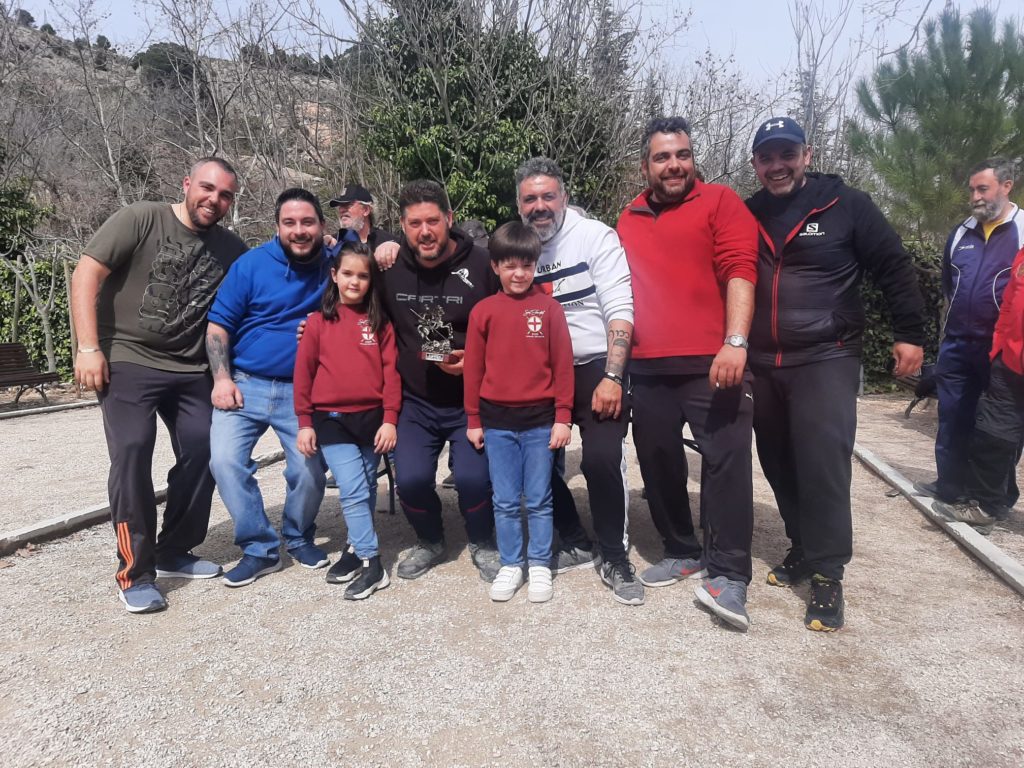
{"x": 757, "y": 33}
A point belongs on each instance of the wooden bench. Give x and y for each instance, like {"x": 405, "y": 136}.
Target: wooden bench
{"x": 16, "y": 370}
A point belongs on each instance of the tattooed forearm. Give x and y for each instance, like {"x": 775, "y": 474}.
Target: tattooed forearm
{"x": 217, "y": 352}
{"x": 620, "y": 336}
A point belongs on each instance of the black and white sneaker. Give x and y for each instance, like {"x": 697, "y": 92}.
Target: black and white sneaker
{"x": 372, "y": 578}
{"x": 346, "y": 569}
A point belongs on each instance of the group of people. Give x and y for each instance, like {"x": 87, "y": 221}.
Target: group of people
{"x": 977, "y": 375}
{"x": 696, "y": 310}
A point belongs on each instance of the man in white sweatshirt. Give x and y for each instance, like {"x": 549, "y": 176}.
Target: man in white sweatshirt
{"x": 583, "y": 266}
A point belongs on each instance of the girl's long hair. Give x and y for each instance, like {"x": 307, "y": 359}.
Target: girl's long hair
{"x": 371, "y": 302}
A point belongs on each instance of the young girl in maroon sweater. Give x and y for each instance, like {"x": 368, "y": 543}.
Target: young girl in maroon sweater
{"x": 347, "y": 398}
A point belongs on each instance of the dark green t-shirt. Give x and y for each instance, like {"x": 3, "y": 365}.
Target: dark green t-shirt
{"x": 152, "y": 307}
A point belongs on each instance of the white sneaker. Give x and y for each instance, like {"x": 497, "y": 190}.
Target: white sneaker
{"x": 505, "y": 584}
{"x": 540, "y": 590}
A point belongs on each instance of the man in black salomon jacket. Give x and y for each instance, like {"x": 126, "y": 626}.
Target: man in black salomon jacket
{"x": 818, "y": 237}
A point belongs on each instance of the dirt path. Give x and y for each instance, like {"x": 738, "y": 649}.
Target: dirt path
{"x": 929, "y": 671}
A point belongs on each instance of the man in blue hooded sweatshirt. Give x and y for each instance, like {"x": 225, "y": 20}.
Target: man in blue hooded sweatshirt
{"x": 250, "y": 342}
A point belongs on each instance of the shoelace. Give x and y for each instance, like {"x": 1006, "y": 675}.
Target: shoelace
{"x": 626, "y": 571}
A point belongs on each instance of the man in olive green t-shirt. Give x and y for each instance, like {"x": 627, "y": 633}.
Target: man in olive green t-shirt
{"x": 139, "y": 297}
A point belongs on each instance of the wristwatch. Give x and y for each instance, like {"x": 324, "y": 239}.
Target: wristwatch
{"x": 737, "y": 341}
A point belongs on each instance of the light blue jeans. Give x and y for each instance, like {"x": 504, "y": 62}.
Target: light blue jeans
{"x": 233, "y": 435}
{"x": 355, "y": 469}
{"x": 520, "y": 464}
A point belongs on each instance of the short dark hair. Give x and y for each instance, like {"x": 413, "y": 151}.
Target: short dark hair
{"x": 662, "y": 125}
{"x": 220, "y": 162}
{"x": 540, "y": 166}
{"x": 298, "y": 193}
{"x": 514, "y": 240}
{"x": 1002, "y": 167}
{"x": 423, "y": 191}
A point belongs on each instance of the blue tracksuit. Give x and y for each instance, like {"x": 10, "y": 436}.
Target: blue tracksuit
{"x": 974, "y": 276}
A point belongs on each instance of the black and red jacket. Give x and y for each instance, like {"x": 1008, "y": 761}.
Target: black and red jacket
{"x": 814, "y": 248}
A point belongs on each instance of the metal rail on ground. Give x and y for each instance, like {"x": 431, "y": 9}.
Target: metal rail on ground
{"x": 65, "y": 525}
{"x": 1007, "y": 568}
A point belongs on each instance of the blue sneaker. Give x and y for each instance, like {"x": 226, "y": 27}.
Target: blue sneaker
{"x": 187, "y": 566}
{"x": 309, "y": 556}
{"x": 142, "y": 598}
{"x": 250, "y": 568}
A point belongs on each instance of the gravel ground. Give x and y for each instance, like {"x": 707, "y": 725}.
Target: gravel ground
{"x": 929, "y": 671}
{"x": 59, "y": 464}
{"x": 908, "y": 445}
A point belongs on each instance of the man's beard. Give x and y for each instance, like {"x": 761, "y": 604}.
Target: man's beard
{"x": 439, "y": 254}
{"x": 664, "y": 196}
{"x": 313, "y": 254}
{"x": 192, "y": 211}
{"x": 556, "y": 219}
{"x": 356, "y": 223}
{"x": 988, "y": 210}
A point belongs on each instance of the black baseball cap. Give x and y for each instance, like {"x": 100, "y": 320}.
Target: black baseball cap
{"x": 785, "y": 128}
{"x": 352, "y": 193}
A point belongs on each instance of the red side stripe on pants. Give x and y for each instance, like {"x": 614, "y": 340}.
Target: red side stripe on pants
{"x": 124, "y": 548}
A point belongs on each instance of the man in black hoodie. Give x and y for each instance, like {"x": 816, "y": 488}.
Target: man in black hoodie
{"x": 437, "y": 268}
{"x": 818, "y": 237}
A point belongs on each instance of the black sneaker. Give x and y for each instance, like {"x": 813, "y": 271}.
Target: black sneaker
{"x": 793, "y": 570}
{"x": 934, "y": 490}
{"x": 372, "y": 578}
{"x": 346, "y": 569}
{"x": 825, "y": 608}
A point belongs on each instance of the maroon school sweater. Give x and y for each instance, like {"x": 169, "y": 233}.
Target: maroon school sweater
{"x": 518, "y": 355}
{"x": 343, "y": 366}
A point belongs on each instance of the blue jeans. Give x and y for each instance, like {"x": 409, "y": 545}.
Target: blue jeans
{"x": 233, "y": 435}
{"x": 355, "y": 469}
{"x": 520, "y": 463}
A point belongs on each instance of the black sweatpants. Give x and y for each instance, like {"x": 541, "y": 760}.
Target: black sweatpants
{"x": 805, "y": 422}
{"x": 994, "y": 448}
{"x": 720, "y": 421}
{"x": 132, "y": 400}
{"x": 603, "y": 469}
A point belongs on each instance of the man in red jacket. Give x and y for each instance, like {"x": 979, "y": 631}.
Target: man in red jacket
{"x": 999, "y": 420}
{"x": 692, "y": 252}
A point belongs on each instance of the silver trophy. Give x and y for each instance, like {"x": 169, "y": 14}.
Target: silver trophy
{"x": 436, "y": 335}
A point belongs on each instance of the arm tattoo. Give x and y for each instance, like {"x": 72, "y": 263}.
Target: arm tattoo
{"x": 618, "y": 351}
{"x": 217, "y": 353}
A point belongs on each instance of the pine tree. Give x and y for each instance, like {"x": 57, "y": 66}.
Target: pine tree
{"x": 933, "y": 113}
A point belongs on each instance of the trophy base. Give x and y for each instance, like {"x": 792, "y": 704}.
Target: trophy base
{"x": 439, "y": 357}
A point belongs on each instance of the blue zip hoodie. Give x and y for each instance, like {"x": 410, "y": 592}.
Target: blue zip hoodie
{"x": 261, "y": 302}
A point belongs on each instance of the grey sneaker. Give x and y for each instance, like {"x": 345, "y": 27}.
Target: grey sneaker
{"x": 487, "y": 560}
{"x": 569, "y": 558}
{"x": 969, "y": 512}
{"x": 142, "y": 598}
{"x": 420, "y": 559}
{"x": 625, "y": 588}
{"x": 672, "y": 569}
{"x": 725, "y": 598}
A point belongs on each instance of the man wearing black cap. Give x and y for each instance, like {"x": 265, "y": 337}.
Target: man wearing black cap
{"x": 355, "y": 214}
{"x": 817, "y": 238}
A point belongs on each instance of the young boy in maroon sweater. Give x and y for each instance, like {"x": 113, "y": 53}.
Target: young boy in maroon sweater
{"x": 518, "y": 396}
